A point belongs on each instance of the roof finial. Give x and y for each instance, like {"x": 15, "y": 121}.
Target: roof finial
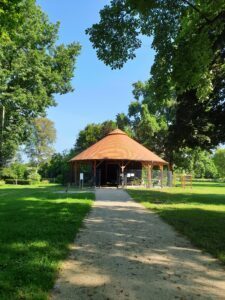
{"x": 117, "y": 131}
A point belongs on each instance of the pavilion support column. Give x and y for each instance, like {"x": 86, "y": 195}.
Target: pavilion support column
{"x": 75, "y": 173}
{"x": 71, "y": 172}
{"x": 143, "y": 166}
{"x": 78, "y": 174}
{"x": 94, "y": 173}
{"x": 122, "y": 171}
{"x": 161, "y": 175}
{"x": 149, "y": 172}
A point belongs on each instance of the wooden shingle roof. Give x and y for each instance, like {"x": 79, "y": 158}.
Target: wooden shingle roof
{"x": 117, "y": 145}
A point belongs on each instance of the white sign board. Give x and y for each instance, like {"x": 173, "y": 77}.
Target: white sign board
{"x": 81, "y": 176}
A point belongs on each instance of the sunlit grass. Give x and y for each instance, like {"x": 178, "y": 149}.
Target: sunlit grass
{"x": 36, "y": 227}
{"x": 198, "y": 213}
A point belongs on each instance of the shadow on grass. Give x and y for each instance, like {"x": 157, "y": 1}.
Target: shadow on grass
{"x": 126, "y": 252}
{"x": 201, "y": 217}
{"x": 36, "y": 226}
{"x": 168, "y": 197}
{"x": 204, "y": 228}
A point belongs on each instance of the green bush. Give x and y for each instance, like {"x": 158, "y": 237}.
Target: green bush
{"x": 2, "y": 182}
{"x": 59, "y": 179}
{"x": 204, "y": 180}
{"x": 18, "y": 181}
{"x": 34, "y": 177}
{"x": 45, "y": 181}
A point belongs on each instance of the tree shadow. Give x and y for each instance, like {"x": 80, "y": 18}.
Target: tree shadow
{"x": 168, "y": 197}
{"x": 204, "y": 228}
{"x": 127, "y": 252}
{"x": 200, "y": 217}
{"x": 36, "y": 226}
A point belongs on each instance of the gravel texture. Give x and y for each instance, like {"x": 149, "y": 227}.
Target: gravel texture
{"x": 127, "y": 252}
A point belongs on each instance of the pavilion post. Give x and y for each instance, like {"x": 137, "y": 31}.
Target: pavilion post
{"x": 149, "y": 175}
{"x": 75, "y": 173}
{"x": 122, "y": 169}
{"x": 71, "y": 172}
{"x": 78, "y": 174}
{"x": 94, "y": 173}
{"x": 161, "y": 175}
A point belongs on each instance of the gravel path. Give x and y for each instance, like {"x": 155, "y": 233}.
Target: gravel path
{"x": 127, "y": 252}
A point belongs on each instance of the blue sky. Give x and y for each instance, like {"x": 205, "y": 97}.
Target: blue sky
{"x": 100, "y": 93}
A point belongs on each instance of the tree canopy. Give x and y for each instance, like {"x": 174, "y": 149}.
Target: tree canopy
{"x": 10, "y": 16}
{"x": 219, "y": 160}
{"x": 189, "y": 41}
{"x": 39, "y": 146}
{"x": 33, "y": 68}
{"x": 93, "y": 133}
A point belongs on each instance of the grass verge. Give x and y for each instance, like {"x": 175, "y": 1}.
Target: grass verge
{"x": 36, "y": 227}
{"x": 198, "y": 213}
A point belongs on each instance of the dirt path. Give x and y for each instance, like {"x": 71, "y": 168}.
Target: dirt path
{"x": 127, "y": 252}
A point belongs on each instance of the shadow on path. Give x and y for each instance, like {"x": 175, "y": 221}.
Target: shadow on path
{"x": 128, "y": 252}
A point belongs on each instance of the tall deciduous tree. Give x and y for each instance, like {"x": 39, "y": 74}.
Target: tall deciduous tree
{"x": 195, "y": 161}
{"x": 32, "y": 70}
{"x": 123, "y": 123}
{"x": 219, "y": 160}
{"x": 149, "y": 121}
{"x": 93, "y": 133}
{"x": 10, "y": 16}
{"x": 189, "y": 40}
{"x": 39, "y": 147}
{"x": 58, "y": 167}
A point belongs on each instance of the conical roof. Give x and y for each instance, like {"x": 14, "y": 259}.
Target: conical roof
{"x": 117, "y": 145}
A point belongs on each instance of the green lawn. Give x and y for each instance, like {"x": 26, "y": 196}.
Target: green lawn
{"x": 198, "y": 213}
{"x": 36, "y": 227}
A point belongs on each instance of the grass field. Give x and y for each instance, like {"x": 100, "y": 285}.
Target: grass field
{"x": 198, "y": 213}
{"x": 36, "y": 227}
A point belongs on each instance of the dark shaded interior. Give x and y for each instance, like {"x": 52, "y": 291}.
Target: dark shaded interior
{"x": 107, "y": 174}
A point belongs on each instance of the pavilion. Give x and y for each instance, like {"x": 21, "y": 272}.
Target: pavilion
{"x": 116, "y": 159}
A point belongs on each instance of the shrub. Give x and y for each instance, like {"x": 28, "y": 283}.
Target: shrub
{"x": 2, "y": 182}
{"x": 45, "y": 181}
{"x": 18, "y": 181}
{"x": 59, "y": 179}
{"x": 34, "y": 177}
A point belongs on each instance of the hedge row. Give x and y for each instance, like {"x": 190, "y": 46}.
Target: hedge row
{"x": 18, "y": 181}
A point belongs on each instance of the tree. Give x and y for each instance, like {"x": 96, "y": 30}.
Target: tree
{"x": 219, "y": 160}
{"x": 150, "y": 120}
{"x": 195, "y": 161}
{"x": 92, "y": 133}
{"x": 122, "y": 121}
{"x": 10, "y": 16}
{"x": 58, "y": 167}
{"x": 39, "y": 147}
{"x": 15, "y": 171}
{"x": 32, "y": 70}
{"x": 188, "y": 37}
